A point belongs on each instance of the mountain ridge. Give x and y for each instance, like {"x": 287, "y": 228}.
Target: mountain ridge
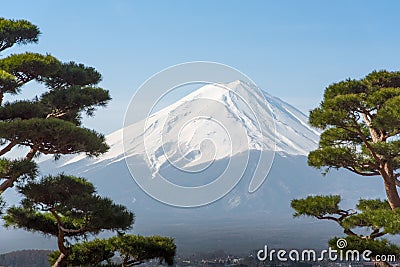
{"x": 258, "y": 218}
{"x": 285, "y": 118}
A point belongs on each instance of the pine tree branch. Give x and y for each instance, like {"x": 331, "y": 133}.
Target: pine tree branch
{"x": 73, "y": 231}
{"x": 350, "y": 232}
{"x": 6, "y": 184}
{"x": 77, "y": 231}
{"x": 365, "y": 141}
{"x": 9, "y": 182}
{"x": 5, "y": 45}
{"x": 56, "y": 114}
{"x": 132, "y": 262}
{"x": 343, "y": 215}
{"x": 368, "y": 121}
{"x": 375, "y": 234}
{"x": 352, "y": 169}
{"x": 393, "y": 134}
{"x": 347, "y": 129}
{"x": 31, "y": 154}
{"x": 397, "y": 182}
{"x": 370, "y": 164}
{"x": 60, "y": 237}
{"x": 328, "y": 218}
{"x": 8, "y": 147}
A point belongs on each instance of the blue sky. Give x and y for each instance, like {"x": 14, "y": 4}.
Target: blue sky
{"x": 291, "y": 49}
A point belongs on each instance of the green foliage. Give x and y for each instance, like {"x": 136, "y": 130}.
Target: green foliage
{"x": 8, "y": 82}
{"x": 18, "y": 168}
{"x": 2, "y": 205}
{"x": 366, "y": 205}
{"x": 30, "y": 220}
{"x": 133, "y": 249}
{"x": 383, "y": 78}
{"x": 389, "y": 117}
{"x": 49, "y": 123}
{"x": 23, "y": 110}
{"x": 28, "y": 66}
{"x": 57, "y": 191}
{"x": 70, "y": 74}
{"x": 372, "y": 215}
{"x": 63, "y": 206}
{"x": 385, "y": 219}
{"x": 88, "y": 253}
{"x": 53, "y": 136}
{"x": 316, "y": 206}
{"x": 69, "y": 202}
{"x": 17, "y": 32}
{"x": 361, "y": 122}
{"x": 75, "y": 99}
{"x": 61, "y": 103}
{"x": 70, "y": 205}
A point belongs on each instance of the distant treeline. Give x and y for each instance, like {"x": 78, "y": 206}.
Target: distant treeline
{"x": 25, "y": 258}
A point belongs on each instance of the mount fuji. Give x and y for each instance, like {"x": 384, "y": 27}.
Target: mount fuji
{"x": 191, "y": 142}
{"x": 275, "y": 118}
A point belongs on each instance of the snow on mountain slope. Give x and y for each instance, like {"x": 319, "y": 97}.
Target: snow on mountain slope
{"x": 255, "y": 217}
{"x": 212, "y": 123}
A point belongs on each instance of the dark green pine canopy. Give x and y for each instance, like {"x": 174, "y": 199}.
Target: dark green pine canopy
{"x": 72, "y": 73}
{"x": 375, "y": 217}
{"x": 63, "y": 206}
{"x": 28, "y": 66}
{"x": 133, "y": 249}
{"x": 66, "y": 206}
{"x": 53, "y": 136}
{"x": 17, "y": 32}
{"x": 50, "y": 123}
{"x": 360, "y": 120}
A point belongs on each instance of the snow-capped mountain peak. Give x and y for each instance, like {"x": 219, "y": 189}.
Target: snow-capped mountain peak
{"x": 211, "y": 123}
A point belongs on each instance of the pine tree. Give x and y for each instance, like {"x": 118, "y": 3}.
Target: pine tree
{"x": 50, "y": 123}
{"x": 360, "y": 120}
{"x": 132, "y": 249}
{"x": 67, "y": 208}
{"x": 375, "y": 217}
{"x": 62, "y": 206}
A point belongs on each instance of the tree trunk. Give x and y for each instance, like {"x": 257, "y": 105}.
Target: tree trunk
{"x": 64, "y": 252}
{"x": 390, "y": 185}
{"x": 385, "y": 168}
{"x": 391, "y": 193}
{"x": 61, "y": 261}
